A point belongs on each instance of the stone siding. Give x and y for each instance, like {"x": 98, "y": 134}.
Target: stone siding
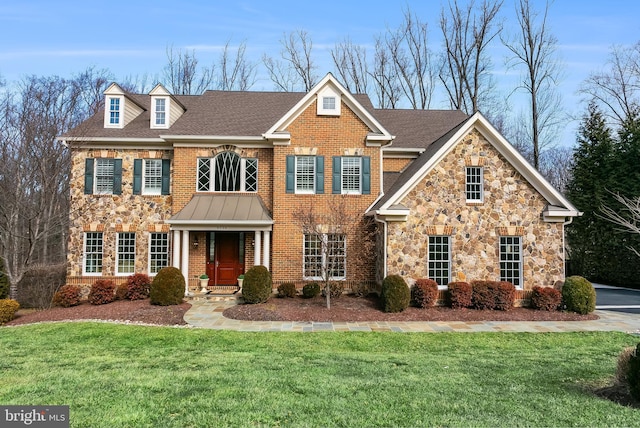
{"x": 511, "y": 207}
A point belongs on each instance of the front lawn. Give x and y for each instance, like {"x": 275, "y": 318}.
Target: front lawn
{"x": 133, "y": 376}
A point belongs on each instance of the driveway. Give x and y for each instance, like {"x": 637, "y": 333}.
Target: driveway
{"x": 617, "y": 299}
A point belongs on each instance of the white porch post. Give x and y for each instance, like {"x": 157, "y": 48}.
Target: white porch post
{"x": 265, "y": 248}
{"x": 185, "y": 260}
{"x": 256, "y": 247}
{"x": 176, "y": 249}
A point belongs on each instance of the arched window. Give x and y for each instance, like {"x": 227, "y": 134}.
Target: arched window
{"x": 227, "y": 172}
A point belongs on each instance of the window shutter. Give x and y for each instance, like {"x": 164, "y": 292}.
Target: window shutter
{"x": 337, "y": 175}
{"x": 88, "y": 176}
{"x": 319, "y": 174}
{"x": 366, "y": 175}
{"x": 291, "y": 179}
{"x": 117, "y": 176}
{"x": 166, "y": 176}
{"x": 137, "y": 176}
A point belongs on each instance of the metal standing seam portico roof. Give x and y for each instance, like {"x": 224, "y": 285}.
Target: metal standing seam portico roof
{"x": 247, "y": 211}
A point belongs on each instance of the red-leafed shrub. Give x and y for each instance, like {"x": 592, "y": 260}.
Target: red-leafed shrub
{"x": 67, "y": 295}
{"x": 424, "y": 293}
{"x": 489, "y": 295}
{"x": 460, "y": 295}
{"x": 102, "y": 291}
{"x": 545, "y": 298}
{"x": 138, "y": 286}
{"x": 121, "y": 291}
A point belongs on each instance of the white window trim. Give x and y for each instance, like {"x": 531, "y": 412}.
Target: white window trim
{"x": 135, "y": 239}
{"x": 167, "y": 104}
{"x": 95, "y": 176}
{"x": 441, "y": 287}
{"x": 342, "y": 175}
{"x": 149, "y": 252}
{"x": 84, "y": 255}
{"x": 466, "y": 183}
{"x": 520, "y": 263}
{"x": 295, "y": 184}
{"x": 144, "y": 190}
{"x": 328, "y": 93}
{"x": 212, "y": 175}
{"x": 324, "y": 238}
{"x": 107, "y": 112}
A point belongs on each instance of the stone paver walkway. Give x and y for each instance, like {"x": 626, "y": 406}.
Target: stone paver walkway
{"x": 208, "y": 314}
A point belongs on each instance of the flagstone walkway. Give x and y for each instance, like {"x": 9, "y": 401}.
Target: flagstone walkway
{"x": 208, "y": 314}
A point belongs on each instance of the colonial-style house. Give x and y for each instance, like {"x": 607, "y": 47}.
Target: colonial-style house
{"x": 212, "y": 184}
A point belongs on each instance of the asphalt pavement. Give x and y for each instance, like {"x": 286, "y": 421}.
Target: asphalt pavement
{"x": 617, "y": 299}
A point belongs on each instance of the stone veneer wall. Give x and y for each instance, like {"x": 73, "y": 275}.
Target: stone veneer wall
{"x": 111, "y": 214}
{"x": 511, "y": 207}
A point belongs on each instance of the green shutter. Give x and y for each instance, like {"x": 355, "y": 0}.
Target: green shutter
{"x": 337, "y": 175}
{"x": 319, "y": 174}
{"x": 137, "y": 176}
{"x": 88, "y": 176}
{"x": 366, "y": 175}
{"x": 291, "y": 179}
{"x": 117, "y": 176}
{"x": 166, "y": 176}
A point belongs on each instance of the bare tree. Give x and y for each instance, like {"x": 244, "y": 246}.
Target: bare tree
{"x": 617, "y": 88}
{"x": 296, "y": 69}
{"x": 628, "y": 217}
{"x": 465, "y": 66}
{"x": 555, "y": 166}
{"x": 237, "y": 73}
{"x": 91, "y": 84}
{"x": 350, "y": 61}
{"x": 386, "y": 86}
{"x": 183, "y": 76}
{"x": 534, "y": 48}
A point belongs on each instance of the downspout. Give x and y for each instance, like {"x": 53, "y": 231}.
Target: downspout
{"x": 384, "y": 245}
{"x": 564, "y": 247}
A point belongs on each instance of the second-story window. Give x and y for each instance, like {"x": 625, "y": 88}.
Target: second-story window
{"x": 160, "y": 111}
{"x": 152, "y": 184}
{"x": 473, "y": 184}
{"x": 227, "y": 172}
{"x": 352, "y": 175}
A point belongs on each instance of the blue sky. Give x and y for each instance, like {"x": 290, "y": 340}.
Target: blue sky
{"x": 45, "y": 37}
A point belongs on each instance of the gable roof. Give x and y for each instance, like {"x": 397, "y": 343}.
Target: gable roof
{"x": 559, "y": 206}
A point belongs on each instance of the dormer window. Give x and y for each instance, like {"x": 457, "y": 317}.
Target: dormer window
{"x": 328, "y": 102}
{"x": 114, "y": 111}
{"x": 161, "y": 109}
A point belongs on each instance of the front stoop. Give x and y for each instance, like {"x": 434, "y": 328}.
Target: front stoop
{"x": 211, "y": 297}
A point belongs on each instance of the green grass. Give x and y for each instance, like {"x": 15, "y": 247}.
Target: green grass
{"x": 133, "y": 376}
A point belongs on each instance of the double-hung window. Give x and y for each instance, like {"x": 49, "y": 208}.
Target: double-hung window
{"x": 103, "y": 176}
{"x": 160, "y": 112}
{"x": 305, "y": 174}
{"x": 352, "y": 175}
{"x": 227, "y": 172}
{"x": 439, "y": 263}
{"x": 158, "y": 252}
{"x": 152, "y": 183}
{"x": 474, "y": 188}
{"x": 114, "y": 111}
{"x": 324, "y": 255}
{"x": 92, "y": 258}
{"x": 511, "y": 260}
{"x": 126, "y": 254}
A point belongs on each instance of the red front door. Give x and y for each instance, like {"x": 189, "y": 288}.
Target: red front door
{"x": 226, "y": 257}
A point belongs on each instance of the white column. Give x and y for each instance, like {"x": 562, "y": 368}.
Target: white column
{"x": 265, "y": 248}
{"x": 176, "y": 249}
{"x": 185, "y": 260}
{"x": 257, "y": 241}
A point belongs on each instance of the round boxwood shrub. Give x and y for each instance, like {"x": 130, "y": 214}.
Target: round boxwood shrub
{"x": 633, "y": 373}
{"x": 257, "y": 285}
{"x": 8, "y": 309}
{"x": 167, "y": 287}
{"x": 67, "y": 296}
{"x": 287, "y": 289}
{"x": 395, "y": 294}
{"x": 102, "y": 292}
{"x": 424, "y": 293}
{"x": 578, "y": 295}
{"x": 310, "y": 290}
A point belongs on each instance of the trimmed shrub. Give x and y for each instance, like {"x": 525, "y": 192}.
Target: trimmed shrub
{"x": 460, "y": 294}
{"x": 361, "y": 289}
{"x": 287, "y": 289}
{"x": 505, "y": 296}
{"x": 67, "y": 296}
{"x": 8, "y": 309}
{"x": 121, "y": 291}
{"x": 545, "y": 298}
{"x": 395, "y": 294}
{"x": 138, "y": 286}
{"x": 490, "y": 295}
{"x": 424, "y": 293}
{"x": 311, "y": 290}
{"x": 578, "y": 295}
{"x": 257, "y": 285}
{"x": 622, "y": 366}
{"x": 633, "y": 374}
{"x": 167, "y": 287}
{"x": 335, "y": 290}
{"x": 102, "y": 292}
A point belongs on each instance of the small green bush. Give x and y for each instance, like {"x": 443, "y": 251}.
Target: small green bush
{"x": 578, "y": 295}
{"x": 67, "y": 296}
{"x": 310, "y": 290}
{"x": 545, "y": 298}
{"x": 257, "y": 285}
{"x": 460, "y": 294}
{"x": 8, "y": 309}
{"x": 395, "y": 294}
{"x": 167, "y": 287}
{"x": 424, "y": 293}
{"x": 102, "y": 292}
{"x": 335, "y": 290}
{"x": 287, "y": 289}
{"x": 138, "y": 286}
{"x": 633, "y": 374}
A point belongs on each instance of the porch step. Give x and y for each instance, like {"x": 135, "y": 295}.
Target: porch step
{"x": 217, "y": 294}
